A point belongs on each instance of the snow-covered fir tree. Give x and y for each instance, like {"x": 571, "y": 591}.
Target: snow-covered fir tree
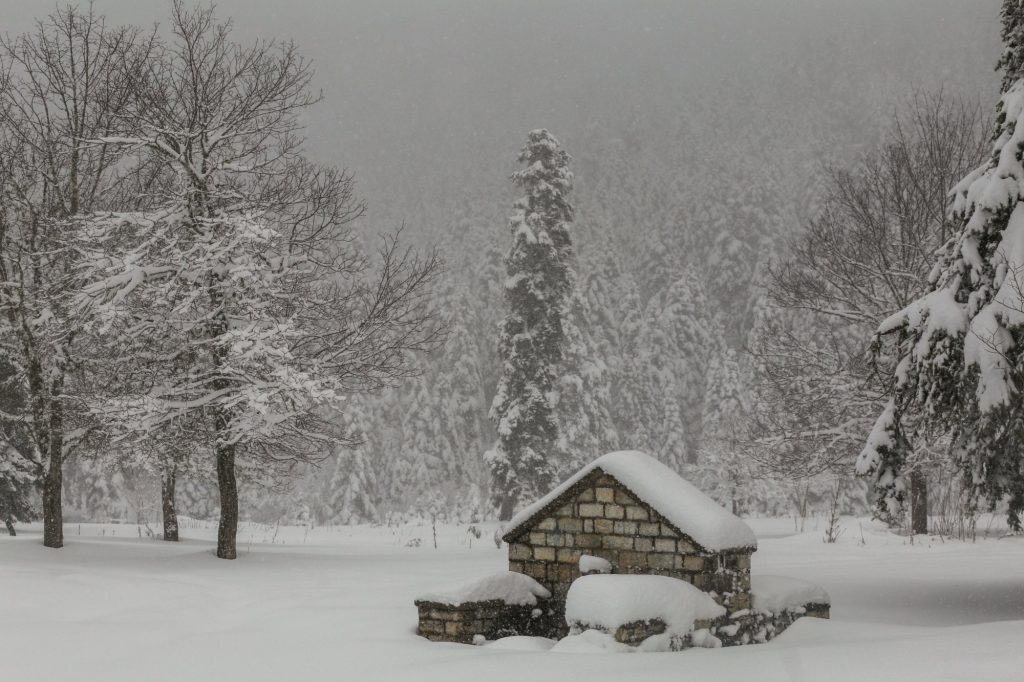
{"x": 960, "y": 364}
{"x": 1011, "y": 63}
{"x": 17, "y": 483}
{"x": 352, "y": 492}
{"x": 724, "y": 469}
{"x": 17, "y": 470}
{"x": 531, "y": 343}
{"x": 585, "y": 425}
{"x": 687, "y": 339}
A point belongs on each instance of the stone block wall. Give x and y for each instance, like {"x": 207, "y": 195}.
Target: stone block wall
{"x": 492, "y": 619}
{"x": 743, "y": 627}
{"x": 602, "y": 518}
{"x": 448, "y": 623}
{"x": 756, "y": 626}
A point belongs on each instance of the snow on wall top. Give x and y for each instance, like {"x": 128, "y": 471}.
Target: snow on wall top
{"x": 512, "y": 588}
{"x": 609, "y": 601}
{"x": 682, "y": 504}
{"x": 778, "y": 593}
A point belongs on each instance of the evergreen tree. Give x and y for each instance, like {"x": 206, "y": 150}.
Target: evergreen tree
{"x": 532, "y": 335}
{"x": 960, "y": 364}
{"x": 585, "y": 425}
{"x": 462, "y": 388}
{"x": 355, "y": 490}
{"x": 725, "y": 472}
{"x": 1011, "y": 63}
{"x": 692, "y": 339}
{"x": 17, "y": 471}
{"x": 16, "y": 483}
{"x": 353, "y": 493}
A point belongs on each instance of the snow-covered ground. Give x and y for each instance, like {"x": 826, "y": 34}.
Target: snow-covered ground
{"x": 336, "y": 604}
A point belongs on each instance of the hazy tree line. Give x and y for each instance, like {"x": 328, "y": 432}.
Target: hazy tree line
{"x": 727, "y": 352}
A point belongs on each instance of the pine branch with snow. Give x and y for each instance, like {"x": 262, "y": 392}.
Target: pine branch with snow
{"x": 958, "y": 346}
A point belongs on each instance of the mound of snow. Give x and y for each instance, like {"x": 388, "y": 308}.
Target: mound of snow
{"x": 590, "y": 642}
{"x": 777, "y": 593}
{"x": 685, "y": 507}
{"x": 507, "y": 586}
{"x": 594, "y": 564}
{"x": 608, "y": 601}
{"x": 522, "y": 643}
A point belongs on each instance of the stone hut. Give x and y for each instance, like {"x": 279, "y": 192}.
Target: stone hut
{"x": 640, "y": 516}
{"x": 623, "y": 513}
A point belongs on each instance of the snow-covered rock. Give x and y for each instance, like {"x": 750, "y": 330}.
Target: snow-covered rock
{"x": 608, "y": 602}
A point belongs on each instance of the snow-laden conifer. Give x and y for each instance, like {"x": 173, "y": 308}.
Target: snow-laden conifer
{"x": 585, "y": 424}
{"x": 959, "y": 346}
{"x": 725, "y": 471}
{"x": 1011, "y": 63}
{"x": 532, "y": 335}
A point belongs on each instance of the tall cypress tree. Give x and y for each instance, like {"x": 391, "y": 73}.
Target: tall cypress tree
{"x": 531, "y": 342}
{"x": 960, "y": 347}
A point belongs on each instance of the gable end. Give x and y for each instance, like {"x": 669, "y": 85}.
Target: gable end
{"x": 590, "y": 480}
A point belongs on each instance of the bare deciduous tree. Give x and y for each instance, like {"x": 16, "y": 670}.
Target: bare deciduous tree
{"x": 866, "y": 256}
{"x": 60, "y": 84}
{"x": 244, "y": 294}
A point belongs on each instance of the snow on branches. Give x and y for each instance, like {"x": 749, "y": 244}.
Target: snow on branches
{"x": 959, "y": 346}
{"x": 238, "y": 298}
{"x": 532, "y": 335}
{"x": 225, "y": 276}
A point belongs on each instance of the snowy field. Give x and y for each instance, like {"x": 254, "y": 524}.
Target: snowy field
{"x": 337, "y": 604}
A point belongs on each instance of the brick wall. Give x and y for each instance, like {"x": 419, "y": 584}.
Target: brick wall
{"x": 447, "y": 623}
{"x": 600, "y": 517}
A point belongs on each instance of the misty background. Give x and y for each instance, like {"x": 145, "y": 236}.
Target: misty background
{"x": 699, "y": 131}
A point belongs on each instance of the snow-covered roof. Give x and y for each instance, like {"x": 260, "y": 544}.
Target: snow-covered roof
{"x": 683, "y": 505}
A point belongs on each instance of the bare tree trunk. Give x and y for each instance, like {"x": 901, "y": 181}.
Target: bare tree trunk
{"x": 53, "y": 515}
{"x": 9, "y": 522}
{"x": 228, "y": 527}
{"x": 918, "y": 503}
{"x": 508, "y": 505}
{"x": 53, "y": 483}
{"x": 168, "y": 479}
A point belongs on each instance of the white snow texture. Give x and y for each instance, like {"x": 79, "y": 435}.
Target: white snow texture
{"x": 780, "y": 593}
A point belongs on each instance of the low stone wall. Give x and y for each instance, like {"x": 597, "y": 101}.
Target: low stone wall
{"x": 494, "y": 619}
{"x": 737, "y": 629}
{"x": 490, "y": 619}
{"x": 754, "y": 626}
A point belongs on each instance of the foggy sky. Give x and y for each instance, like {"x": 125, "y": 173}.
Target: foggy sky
{"x": 414, "y": 89}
